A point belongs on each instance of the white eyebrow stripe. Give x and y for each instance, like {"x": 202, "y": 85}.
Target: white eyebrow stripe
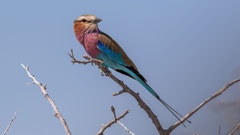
{"x": 80, "y": 18}
{"x": 88, "y": 18}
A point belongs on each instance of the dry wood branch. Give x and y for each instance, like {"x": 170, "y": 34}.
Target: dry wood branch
{"x": 43, "y": 89}
{"x": 74, "y": 60}
{"x": 235, "y": 129}
{"x": 10, "y": 123}
{"x": 126, "y": 89}
{"x": 219, "y": 130}
{"x": 141, "y": 103}
{"x": 109, "y": 124}
{"x": 114, "y": 113}
{"x": 121, "y": 124}
{"x": 170, "y": 129}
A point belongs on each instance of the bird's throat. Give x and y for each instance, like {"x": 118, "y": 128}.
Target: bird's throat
{"x": 81, "y": 30}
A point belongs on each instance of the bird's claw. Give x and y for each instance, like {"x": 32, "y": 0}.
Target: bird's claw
{"x": 101, "y": 71}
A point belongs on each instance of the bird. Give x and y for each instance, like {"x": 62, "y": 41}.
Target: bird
{"x": 101, "y": 46}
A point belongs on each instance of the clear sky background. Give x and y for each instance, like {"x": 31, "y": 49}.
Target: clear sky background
{"x": 186, "y": 49}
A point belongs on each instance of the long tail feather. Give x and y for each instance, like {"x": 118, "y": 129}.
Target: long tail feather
{"x": 144, "y": 84}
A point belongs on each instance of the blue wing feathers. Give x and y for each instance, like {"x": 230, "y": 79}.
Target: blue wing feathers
{"x": 111, "y": 54}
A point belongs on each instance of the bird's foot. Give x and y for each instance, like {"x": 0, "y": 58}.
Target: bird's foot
{"x": 101, "y": 71}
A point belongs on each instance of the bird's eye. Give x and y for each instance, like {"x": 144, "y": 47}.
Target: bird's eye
{"x": 84, "y": 20}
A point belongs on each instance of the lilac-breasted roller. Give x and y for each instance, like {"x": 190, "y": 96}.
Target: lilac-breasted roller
{"x": 101, "y": 46}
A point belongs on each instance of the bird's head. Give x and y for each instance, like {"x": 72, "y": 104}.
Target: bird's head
{"x": 87, "y": 22}
{"x": 87, "y": 19}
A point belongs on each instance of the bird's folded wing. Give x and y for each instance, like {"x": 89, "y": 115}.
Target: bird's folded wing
{"x": 111, "y": 48}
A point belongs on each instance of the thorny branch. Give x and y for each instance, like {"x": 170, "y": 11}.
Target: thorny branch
{"x": 115, "y": 120}
{"x": 141, "y": 103}
{"x": 43, "y": 89}
{"x": 10, "y": 123}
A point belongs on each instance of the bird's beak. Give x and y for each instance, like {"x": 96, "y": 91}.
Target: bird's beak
{"x": 97, "y": 20}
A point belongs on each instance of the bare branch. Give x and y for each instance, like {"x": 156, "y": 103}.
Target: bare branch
{"x": 90, "y": 60}
{"x": 43, "y": 89}
{"x": 126, "y": 89}
{"x": 219, "y": 130}
{"x": 10, "y": 123}
{"x": 114, "y": 113}
{"x": 104, "y": 127}
{"x": 120, "y": 92}
{"x": 121, "y": 124}
{"x": 170, "y": 129}
{"x": 142, "y": 104}
{"x": 235, "y": 129}
{"x": 130, "y": 132}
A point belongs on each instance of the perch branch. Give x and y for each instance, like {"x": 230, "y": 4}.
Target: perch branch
{"x": 126, "y": 89}
{"x": 10, "y": 123}
{"x": 235, "y": 129}
{"x": 141, "y": 103}
{"x": 170, "y": 129}
{"x": 104, "y": 127}
{"x": 43, "y": 89}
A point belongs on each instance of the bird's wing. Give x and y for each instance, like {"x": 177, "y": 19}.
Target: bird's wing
{"x": 111, "y": 48}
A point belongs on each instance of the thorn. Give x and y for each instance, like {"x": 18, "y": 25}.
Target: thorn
{"x": 45, "y": 86}
{"x": 31, "y": 83}
{"x": 55, "y": 115}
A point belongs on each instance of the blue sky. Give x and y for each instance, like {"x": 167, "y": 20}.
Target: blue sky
{"x": 187, "y": 50}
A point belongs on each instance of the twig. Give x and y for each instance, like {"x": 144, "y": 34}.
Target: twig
{"x": 104, "y": 127}
{"x": 170, "y": 129}
{"x": 43, "y": 89}
{"x": 219, "y": 130}
{"x": 121, "y": 124}
{"x": 235, "y": 129}
{"x": 10, "y": 123}
{"x": 114, "y": 113}
{"x": 126, "y": 89}
{"x": 130, "y": 132}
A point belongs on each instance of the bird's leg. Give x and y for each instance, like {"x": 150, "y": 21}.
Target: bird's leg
{"x": 100, "y": 65}
{"x": 103, "y": 69}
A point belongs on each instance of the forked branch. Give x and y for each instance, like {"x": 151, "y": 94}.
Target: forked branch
{"x": 141, "y": 103}
{"x": 126, "y": 89}
{"x": 115, "y": 120}
{"x": 44, "y": 91}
